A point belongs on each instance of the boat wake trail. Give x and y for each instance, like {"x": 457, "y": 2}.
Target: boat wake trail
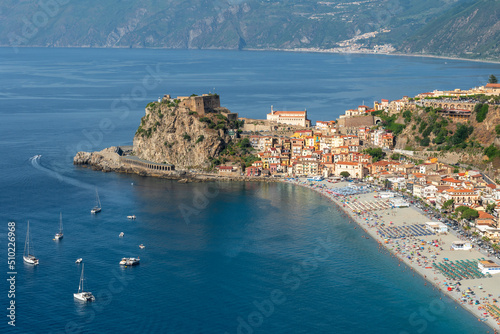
{"x": 35, "y": 162}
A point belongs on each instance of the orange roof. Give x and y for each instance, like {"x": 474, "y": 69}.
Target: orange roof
{"x": 452, "y": 190}
{"x": 493, "y": 85}
{"x": 381, "y": 163}
{"x": 485, "y": 215}
{"x": 348, "y": 163}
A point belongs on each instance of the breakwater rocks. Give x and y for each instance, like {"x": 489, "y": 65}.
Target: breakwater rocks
{"x": 111, "y": 160}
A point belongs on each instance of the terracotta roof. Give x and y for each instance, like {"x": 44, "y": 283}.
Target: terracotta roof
{"x": 452, "y": 190}
{"x": 347, "y": 163}
{"x": 485, "y": 215}
{"x": 493, "y": 85}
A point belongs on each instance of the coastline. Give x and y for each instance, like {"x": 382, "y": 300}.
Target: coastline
{"x": 109, "y": 161}
{"x": 377, "y": 54}
{"x": 486, "y": 289}
{"x": 268, "y": 49}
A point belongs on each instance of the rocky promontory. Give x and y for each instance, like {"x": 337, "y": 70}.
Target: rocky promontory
{"x": 175, "y": 137}
{"x": 106, "y": 160}
{"x": 172, "y": 132}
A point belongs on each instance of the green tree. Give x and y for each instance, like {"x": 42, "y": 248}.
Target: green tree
{"x": 376, "y": 153}
{"x": 200, "y": 139}
{"x": 482, "y": 112}
{"x": 492, "y": 151}
{"x": 463, "y": 132}
{"x": 425, "y": 141}
{"x": 448, "y": 204}
{"x": 492, "y": 79}
{"x": 245, "y": 142}
{"x": 490, "y": 207}
{"x": 497, "y": 129}
{"x": 461, "y": 209}
{"x": 469, "y": 214}
{"x": 395, "y": 156}
{"x": 345, "y": 174}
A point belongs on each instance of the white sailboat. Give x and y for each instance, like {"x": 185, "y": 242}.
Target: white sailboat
{"x": 27, "y": 256}
{"x": 97, "y": 207}
{"x": 60, "y": 234}
{"x": 83, "y": 295}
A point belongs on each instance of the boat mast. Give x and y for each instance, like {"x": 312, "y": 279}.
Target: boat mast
{"x": 97, "y": 200}
{"x": 27, "y": 242}
{"x": 80, "y": 286}
{"x": 60, "y": 223}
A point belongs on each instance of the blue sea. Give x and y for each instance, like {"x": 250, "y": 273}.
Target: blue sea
{"x": 219, "y": 258}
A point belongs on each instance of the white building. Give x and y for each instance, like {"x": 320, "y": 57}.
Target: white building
{"x": 437, "y": 227}
{"x": 461, "y": 245}
{"x": 298, "y": 118}
{"x": 488, "y": 267}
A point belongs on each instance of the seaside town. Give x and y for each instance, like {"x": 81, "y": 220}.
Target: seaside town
{"x": 452, "y": 233}
{"x": 439, "y": 220}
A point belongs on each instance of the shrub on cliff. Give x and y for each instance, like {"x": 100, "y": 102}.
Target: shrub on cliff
{"x": 482, "y": 111}
{"x": 200, "y": 139}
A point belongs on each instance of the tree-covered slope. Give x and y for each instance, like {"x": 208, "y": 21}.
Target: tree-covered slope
{"x": 211, "y": 24}
{"x": 468, "y": 30}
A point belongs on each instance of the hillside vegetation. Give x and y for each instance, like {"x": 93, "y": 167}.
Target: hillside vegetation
{"x": 426, "y": 129}
{"x": 469, "y": 30}
{"x": 451, "y": 27}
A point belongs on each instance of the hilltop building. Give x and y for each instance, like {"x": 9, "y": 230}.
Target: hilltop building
{"x": 202, "y": 105}
{"x": 298, "y": 118}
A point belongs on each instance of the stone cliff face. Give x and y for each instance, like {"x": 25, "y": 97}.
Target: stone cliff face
{"x": 175, "y": 135}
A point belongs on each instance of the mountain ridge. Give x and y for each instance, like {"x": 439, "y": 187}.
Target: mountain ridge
{"x": 349, "y": 26}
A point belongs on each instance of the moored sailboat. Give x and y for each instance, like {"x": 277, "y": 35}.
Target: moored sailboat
{"x": 97, "y": 207}
{"x": 83, "y": 295}
{"x": 59, "y": 235}
{"x": 27, "y": 256}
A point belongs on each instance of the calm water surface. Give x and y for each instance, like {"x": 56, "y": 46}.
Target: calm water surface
{"x": 235, "y": 258}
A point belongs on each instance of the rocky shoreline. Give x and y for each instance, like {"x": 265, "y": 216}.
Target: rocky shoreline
{"x": 109, "y": 160}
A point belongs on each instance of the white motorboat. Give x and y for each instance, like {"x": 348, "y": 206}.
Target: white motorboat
{"x": 130, "y": 261}
{"x": 121, "y": 234}
{"x": 27, "y": 256}
{"x": 97, "y": 207}
{"x": 131, "y": 217}
{"x": 83, "y": 295}
{"x": 141, "y": 246}
{"x": 59, "y": 235}
{"x": 79, "y": 260}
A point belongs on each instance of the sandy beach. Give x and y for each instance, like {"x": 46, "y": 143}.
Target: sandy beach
{"x": 423, "y": 253}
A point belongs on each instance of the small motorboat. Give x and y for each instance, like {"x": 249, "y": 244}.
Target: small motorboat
{"x": 141, "y": 246}
{"x": 131, "y": 217}
{"x": 129, "y": 261}
{"x": 79, "y": 260}
{"x": 121, "y": 234}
